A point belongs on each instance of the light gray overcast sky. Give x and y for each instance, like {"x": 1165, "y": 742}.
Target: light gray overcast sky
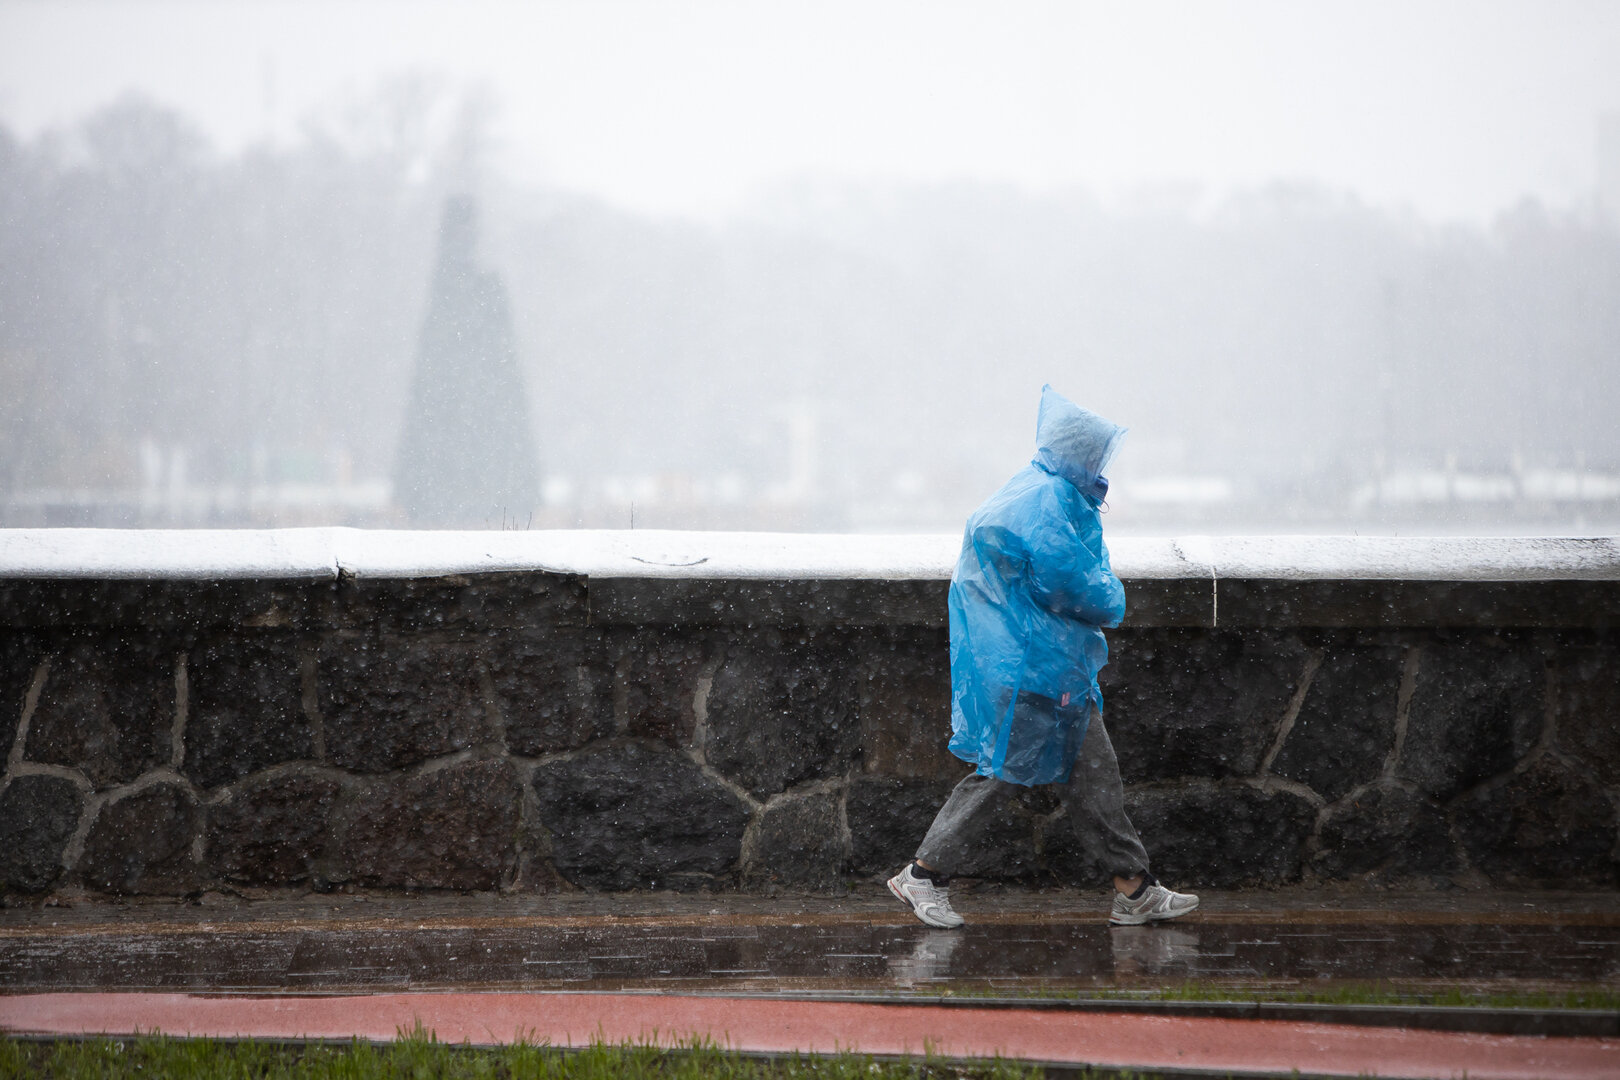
{"x": 1455, "y": 108}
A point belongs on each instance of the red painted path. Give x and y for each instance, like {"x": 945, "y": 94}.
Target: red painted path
{"x": 757, "y": 1024}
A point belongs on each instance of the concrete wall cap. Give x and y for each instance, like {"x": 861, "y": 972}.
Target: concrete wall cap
{"x": 168, "y": 554}
{"x": 324, "y": 553}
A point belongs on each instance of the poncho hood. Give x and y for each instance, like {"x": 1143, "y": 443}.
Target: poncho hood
{"x": 1075, "y": 443}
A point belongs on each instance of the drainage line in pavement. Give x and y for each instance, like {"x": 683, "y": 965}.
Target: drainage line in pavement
{"x": 1561, "y": 1023}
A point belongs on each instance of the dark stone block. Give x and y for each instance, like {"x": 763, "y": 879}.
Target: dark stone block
{"x": 451, "y": 828}
{"x": 889, "y": 818}
{"x": 395, "y": 702}
{"x": 1476, "y": 709}
{"x": 1346, "y": 725}
{"x": 1588, "y": 704}
{"x": 797, "y": 842}
{"x": 630, "y": 816}
{"x": 1190, "y": 703}
{"x": 1389, "y": 603}
{"x": 1547, "y": 825}
{"x": 905, "y": 708}
{"x": 271, "y": 831}
{"x": 1168, "y": 602}
{"x": 19, "y": 658}
{"x": 1222, "y": 835}
{"x": 781, "y": 712}
{"x": 752, "y": 603}
{"x": 493, "y": 601}
{"x": 518, "y": 600}
{"x": 1064, "y": 858}
{"x": 141, "y": 844}
{"x": 658, "y": 672}
{"x": 37, "y": 817}
{"x": 1062, "y": 853}
{"x": 245, "y": 711}
{"x": 556, "y": 693}
{"x": 1003, "y": 846}
{"x": 107, "y": 709}
{"x": 1387, "y": 830}
{"x": 147, "y": 605}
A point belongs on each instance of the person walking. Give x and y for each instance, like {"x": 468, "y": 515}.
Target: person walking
{"x": 1032, "y": 590}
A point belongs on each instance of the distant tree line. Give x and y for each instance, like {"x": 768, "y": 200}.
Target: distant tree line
{"x": 261, "y": 309}
{"x": 250, "y": 309}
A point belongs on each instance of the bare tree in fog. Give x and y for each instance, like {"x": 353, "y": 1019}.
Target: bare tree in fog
{"x": 173, "y": 321}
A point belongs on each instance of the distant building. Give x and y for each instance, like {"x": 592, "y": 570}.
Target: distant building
{"x": 466, "y": 454}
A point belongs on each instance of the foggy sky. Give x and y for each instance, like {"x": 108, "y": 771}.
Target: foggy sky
{"x": 795, "y": 266}
{"x": 1456, "y": 109}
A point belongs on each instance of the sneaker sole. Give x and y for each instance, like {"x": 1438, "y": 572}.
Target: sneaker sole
{"x": 1138, "y": 920}
{"x": 900, "y": 896}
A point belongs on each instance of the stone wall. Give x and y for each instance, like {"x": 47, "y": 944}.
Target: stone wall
{"x": 539, "y": 731}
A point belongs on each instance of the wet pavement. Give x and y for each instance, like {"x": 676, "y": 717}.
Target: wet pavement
{"x": 1024, "y": 978}
{"x": 1016, "y": 943}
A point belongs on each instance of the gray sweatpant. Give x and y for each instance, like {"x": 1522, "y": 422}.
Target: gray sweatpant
{"x": 1093, "y": 795}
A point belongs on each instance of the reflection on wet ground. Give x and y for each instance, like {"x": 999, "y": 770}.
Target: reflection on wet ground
{"x": 1010, "y": 954}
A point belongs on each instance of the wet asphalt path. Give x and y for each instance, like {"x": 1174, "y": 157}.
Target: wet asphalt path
{"x": 863, "y": 949}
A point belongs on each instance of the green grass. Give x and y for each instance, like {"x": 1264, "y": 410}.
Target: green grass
{"x": 418, "y": 1055}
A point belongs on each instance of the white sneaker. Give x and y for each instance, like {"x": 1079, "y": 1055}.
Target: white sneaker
{"x": 929, "y": 902}
{"x": 1154, "y": 905}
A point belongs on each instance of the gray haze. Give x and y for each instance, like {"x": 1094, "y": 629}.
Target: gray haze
{"x": 1325, "y": 296}
{"x": 1457, "y": 108}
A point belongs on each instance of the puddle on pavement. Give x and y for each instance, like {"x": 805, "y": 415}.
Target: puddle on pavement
{"x": 1004, "y": 957}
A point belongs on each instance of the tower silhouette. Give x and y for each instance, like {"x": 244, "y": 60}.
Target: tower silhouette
{"x": 466, "y": 453}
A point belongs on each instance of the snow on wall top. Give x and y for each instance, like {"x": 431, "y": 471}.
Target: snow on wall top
{"x": 321, "y": 554}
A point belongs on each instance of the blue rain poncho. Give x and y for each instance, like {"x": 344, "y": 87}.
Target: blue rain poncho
{"x": 1031, "y": 590}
